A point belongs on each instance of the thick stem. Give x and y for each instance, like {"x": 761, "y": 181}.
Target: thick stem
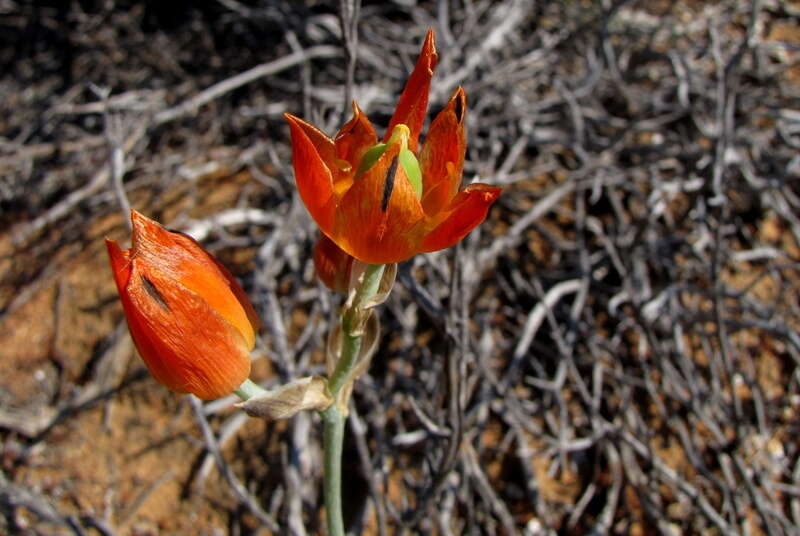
{"x": 334, "y": 420}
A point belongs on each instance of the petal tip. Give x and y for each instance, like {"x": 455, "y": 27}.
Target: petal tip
{"x": 469, "y": 209}
{"x": 458, "y": 104}
{"x": 488, "y": 193}
{"x": 139, "y": 219}
{"x": 115, "y": 252}
{"x": 119, "y": 259}
{"x": 141, "y": 224}
{"x": 295, "y": 123}
{"x": 429, "y": 49}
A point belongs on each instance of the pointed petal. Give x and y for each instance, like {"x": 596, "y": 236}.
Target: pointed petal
{"x": 322, "y": 143}
{"x": 442, "y": 156}
{"x": 181, "y": 258}
{"x": 311, "y": 170}
{"x": 413, "y": 103}
{"x": 355, "y": 138}
{"x": 468, "y": 209}
{"x": 120, "y": 264}
{"x": 374, "y": 217}
{"x": 187, "y": 345}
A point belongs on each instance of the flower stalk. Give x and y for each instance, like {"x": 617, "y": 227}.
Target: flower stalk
{"x": 248, "y": 389}
{"x": 353, "y": 321}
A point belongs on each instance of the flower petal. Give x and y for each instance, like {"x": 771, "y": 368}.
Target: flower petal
{"x": 219, "y": 288}
{"x": 442, "y": 156}
{"x": 355, "y": 138}
{"x": 468, "y": 209}
{"x": 244, "y": 301}
{"x": 323, "y": 144}
{"x": 413, "y": 103}
{"x": 187, "y": 346}
{"x": 311, "y": 170}
{"x": 375, "y": 216}
{"x": 120, "y": 264}
{"x": 181, "y": 258}
{"x": 333, "y": 264}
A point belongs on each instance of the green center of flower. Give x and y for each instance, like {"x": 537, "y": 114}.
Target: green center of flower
{"x": 408, "y": 161}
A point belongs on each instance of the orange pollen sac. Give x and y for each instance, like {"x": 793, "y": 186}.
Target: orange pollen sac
{"x": 189, "y": 319}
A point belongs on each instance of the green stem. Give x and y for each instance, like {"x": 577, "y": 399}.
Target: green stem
{"x": 351, "y": 345}
{"x": 333, "y": 437}
{"x": 334, "y": 420}
{"x": 248, "y": 389}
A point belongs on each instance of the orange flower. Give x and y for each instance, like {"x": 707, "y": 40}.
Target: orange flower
{"x": 385, "y": 202}
{"x": 190, "y": 320}
{"x": 333, "y": 265}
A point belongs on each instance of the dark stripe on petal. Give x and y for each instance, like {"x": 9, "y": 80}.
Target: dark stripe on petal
{"x": 153, "y": 292}
{"x": 459, "y": 109}
{"x": 388, "y": 185}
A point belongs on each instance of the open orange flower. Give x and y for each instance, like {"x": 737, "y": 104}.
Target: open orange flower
{"x": 191, "y": 322}
{"x": 385, "y": 202}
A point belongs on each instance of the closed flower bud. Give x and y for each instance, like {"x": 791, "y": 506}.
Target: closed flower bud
{"x": 191, "y": 322}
